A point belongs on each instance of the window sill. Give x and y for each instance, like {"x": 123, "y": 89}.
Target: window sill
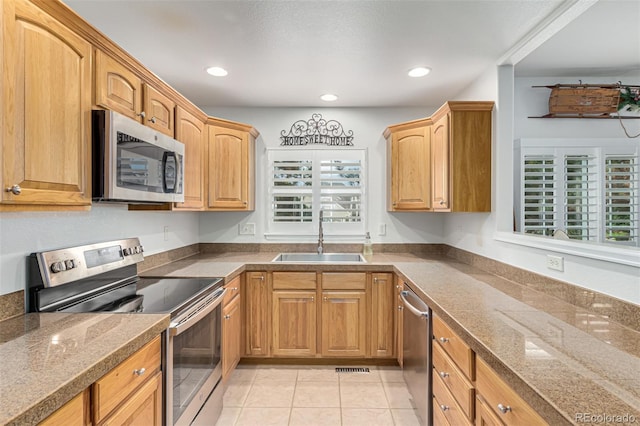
{"x": 629, "y": 256}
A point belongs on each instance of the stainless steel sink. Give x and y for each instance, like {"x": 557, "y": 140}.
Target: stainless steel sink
{"x": 319, "y": 258}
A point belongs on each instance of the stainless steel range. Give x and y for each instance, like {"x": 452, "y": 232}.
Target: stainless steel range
{"x": 103, "y": 278}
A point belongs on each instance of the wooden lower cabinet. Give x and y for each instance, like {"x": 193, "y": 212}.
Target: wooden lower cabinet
{"x": 74, "y": 413}
{"x": 501, "y": 400}
{"x": 382, "y": 315}
{"x": 484, "y": 415}
{"x": 144, "y": 407}
{"x": 344, "y": 324}
{"x": 231, "y": 334}
{"x": 257, "y": 314}
{"x": 294, "y": 323}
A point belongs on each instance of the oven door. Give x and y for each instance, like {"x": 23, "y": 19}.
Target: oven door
{"x": 193, "y": 359}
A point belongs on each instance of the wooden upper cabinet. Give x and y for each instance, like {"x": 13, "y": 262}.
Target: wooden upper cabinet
{"x": 453, "y": 173}
{"x": 191, "y": 132}
{"x": 159, "y": 111}
{"x": 440, "y": 164}
{"x": 117, "y": 87}
{"x": 409, "y": 168}
{"x": 230, "y": 168}
{"x": 469, "y": 140}
{"x": 45, "y": 111}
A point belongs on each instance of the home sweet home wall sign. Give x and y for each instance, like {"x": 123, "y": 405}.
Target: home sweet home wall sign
{"x": 316, "y": 131}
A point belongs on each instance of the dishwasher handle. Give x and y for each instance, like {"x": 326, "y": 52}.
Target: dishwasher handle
{"x": 412, "y": 309}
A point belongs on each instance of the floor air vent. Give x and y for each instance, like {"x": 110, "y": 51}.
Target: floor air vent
{"x": 352, "y": 370}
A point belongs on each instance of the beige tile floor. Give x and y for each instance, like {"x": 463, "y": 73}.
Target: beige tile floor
{"x": 316, "y": 396}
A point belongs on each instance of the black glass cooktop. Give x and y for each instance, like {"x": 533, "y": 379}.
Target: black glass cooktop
{"x": 172, "y": 295}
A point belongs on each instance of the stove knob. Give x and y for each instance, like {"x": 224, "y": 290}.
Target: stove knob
{"x": 126, "y": 251}
{"x": 70, "y": 264}
{"x": 141, "y": 249}
{"x": 138, "y": 249}
{"x": 58, "y": 267}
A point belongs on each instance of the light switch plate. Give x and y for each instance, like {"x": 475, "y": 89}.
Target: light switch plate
{"x": 247, "y": 229}
{"x": 382, "y": 229}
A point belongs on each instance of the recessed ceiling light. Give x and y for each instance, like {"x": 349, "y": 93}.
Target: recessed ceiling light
{"x": 419, "y": 71}
{"x": 329, "y": 97}
{"x": 217, "y": 71}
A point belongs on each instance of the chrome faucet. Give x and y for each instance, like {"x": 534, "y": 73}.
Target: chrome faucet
{"x": 320, "y": 234}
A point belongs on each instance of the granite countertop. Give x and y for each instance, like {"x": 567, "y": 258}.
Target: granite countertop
{"x": 565, "y": 361}
{"x": 48, "y": 358}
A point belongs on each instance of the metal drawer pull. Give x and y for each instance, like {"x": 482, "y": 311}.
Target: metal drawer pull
{"x": 443, "y": 340}
{"x": 14, "y": 189}
{"x": 444, "y": 407}
{"x": 227, "y": 317}
{"x": 444, "y": 374}
{"x": 503, "y": 409}
{"x": 234, "y": 289}
{"x": 139, "y": 372}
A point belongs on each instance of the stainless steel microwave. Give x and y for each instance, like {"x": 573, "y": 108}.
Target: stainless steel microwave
{"x": 133, "y": 162}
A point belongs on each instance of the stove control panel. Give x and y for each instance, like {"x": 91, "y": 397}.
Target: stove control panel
{"x": 66, "y": 265}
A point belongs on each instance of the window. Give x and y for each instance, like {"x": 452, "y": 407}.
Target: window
{"x": 303, "y": 181}
{"x": 586, "y": 188}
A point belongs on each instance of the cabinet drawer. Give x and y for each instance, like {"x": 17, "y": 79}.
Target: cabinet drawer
{"x": 115, "y": 386}
{"x": 344, "y": 281}
{"x": 447, "y": 405}
{"x": 294, "y": 280}
{"x": 453, "y": 345}
{"x": 233, "y": 289}
{"x": 461, "y": 389}
{"x": 73, "y": 413}
{"x": 144, "y": 407}
{"x": 498, "y": 394}
{"x": 438, "y": 415}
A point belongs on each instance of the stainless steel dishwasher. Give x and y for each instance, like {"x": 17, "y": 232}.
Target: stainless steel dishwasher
{"x": 416, "y": 352}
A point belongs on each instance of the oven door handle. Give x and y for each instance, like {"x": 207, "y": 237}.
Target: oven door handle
{"x": 184, "y": 322}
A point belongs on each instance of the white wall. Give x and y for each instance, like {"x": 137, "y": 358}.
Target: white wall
{"x": 368, "y": 125}
{"x": 478, "y": 233}
{"x": 27, "y": 232}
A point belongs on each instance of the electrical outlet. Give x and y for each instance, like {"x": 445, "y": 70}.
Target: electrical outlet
{"x": 555, "y": 262}
{"x": 247, "y": 229}
{"x": 382, "y": 229}
{"x": 166, "y": 233}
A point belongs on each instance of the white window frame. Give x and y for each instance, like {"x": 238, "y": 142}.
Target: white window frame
{"x": 598, "y": 150}
{"x": 305, "y": 231}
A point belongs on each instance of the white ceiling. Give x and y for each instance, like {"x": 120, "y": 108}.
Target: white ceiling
{"x": 288, "y": 53}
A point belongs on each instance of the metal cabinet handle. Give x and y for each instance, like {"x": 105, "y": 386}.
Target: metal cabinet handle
{"x": 313, "y": 299}
{"x": 444, "y": 374}
{"x": 261, "y": 277}
{"x": 14, "y": 189}
{"x": 244, "y": 203}
{"x": 234, "y": 289}
{"x": 400, "y": 307}
{"x": 153, "y": 120}
{"x": 375, "y": 279}
{"x": 503, "y": 409}
{"x": 444, "y": 407}
{"x": 442, "y": 202}
{"x": 325, "y": 298}
{"x": 142, "y": 114}
{"x": 139, "y": 372}
{"x": 443, "y": 340}
{"x": 227, "y": 317}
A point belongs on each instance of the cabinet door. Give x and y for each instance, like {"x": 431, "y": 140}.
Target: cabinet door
{"x": 191, "y": 132}
{"x": 159, "y": 111}
{"x": 410, "y": 170}
{"x": 344, "y": 323}
{"x": 440, "y": 164}
{"x": 231, "y": 336}
{"x": 382, "y": 313}
{"x": 73, "y": 413}
{"x": 484, "y": 414}
{"x": 294, "y": 323}
{"x": 117, "y": 88}
{"x": 257, "y": 314}
{"x": 46, "y": 108}
{"x": 144, "y": 407}
{"x": 228, "y": 169}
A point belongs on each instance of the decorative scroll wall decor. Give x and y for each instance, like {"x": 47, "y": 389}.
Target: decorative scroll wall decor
{"x": 316, "y": 131}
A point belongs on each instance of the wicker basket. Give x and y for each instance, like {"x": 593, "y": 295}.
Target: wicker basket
{"x": 583, "y": 100}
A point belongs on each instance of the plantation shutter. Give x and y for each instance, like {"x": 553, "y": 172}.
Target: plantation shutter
{"x": 292, "y": 190}
{"x": 621, "y": 198}
{"x": 303, "y": 181}
{"x": 580, "y": 197}
{"x": 539, "y": 180}
{"x": 341, "y": 190}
